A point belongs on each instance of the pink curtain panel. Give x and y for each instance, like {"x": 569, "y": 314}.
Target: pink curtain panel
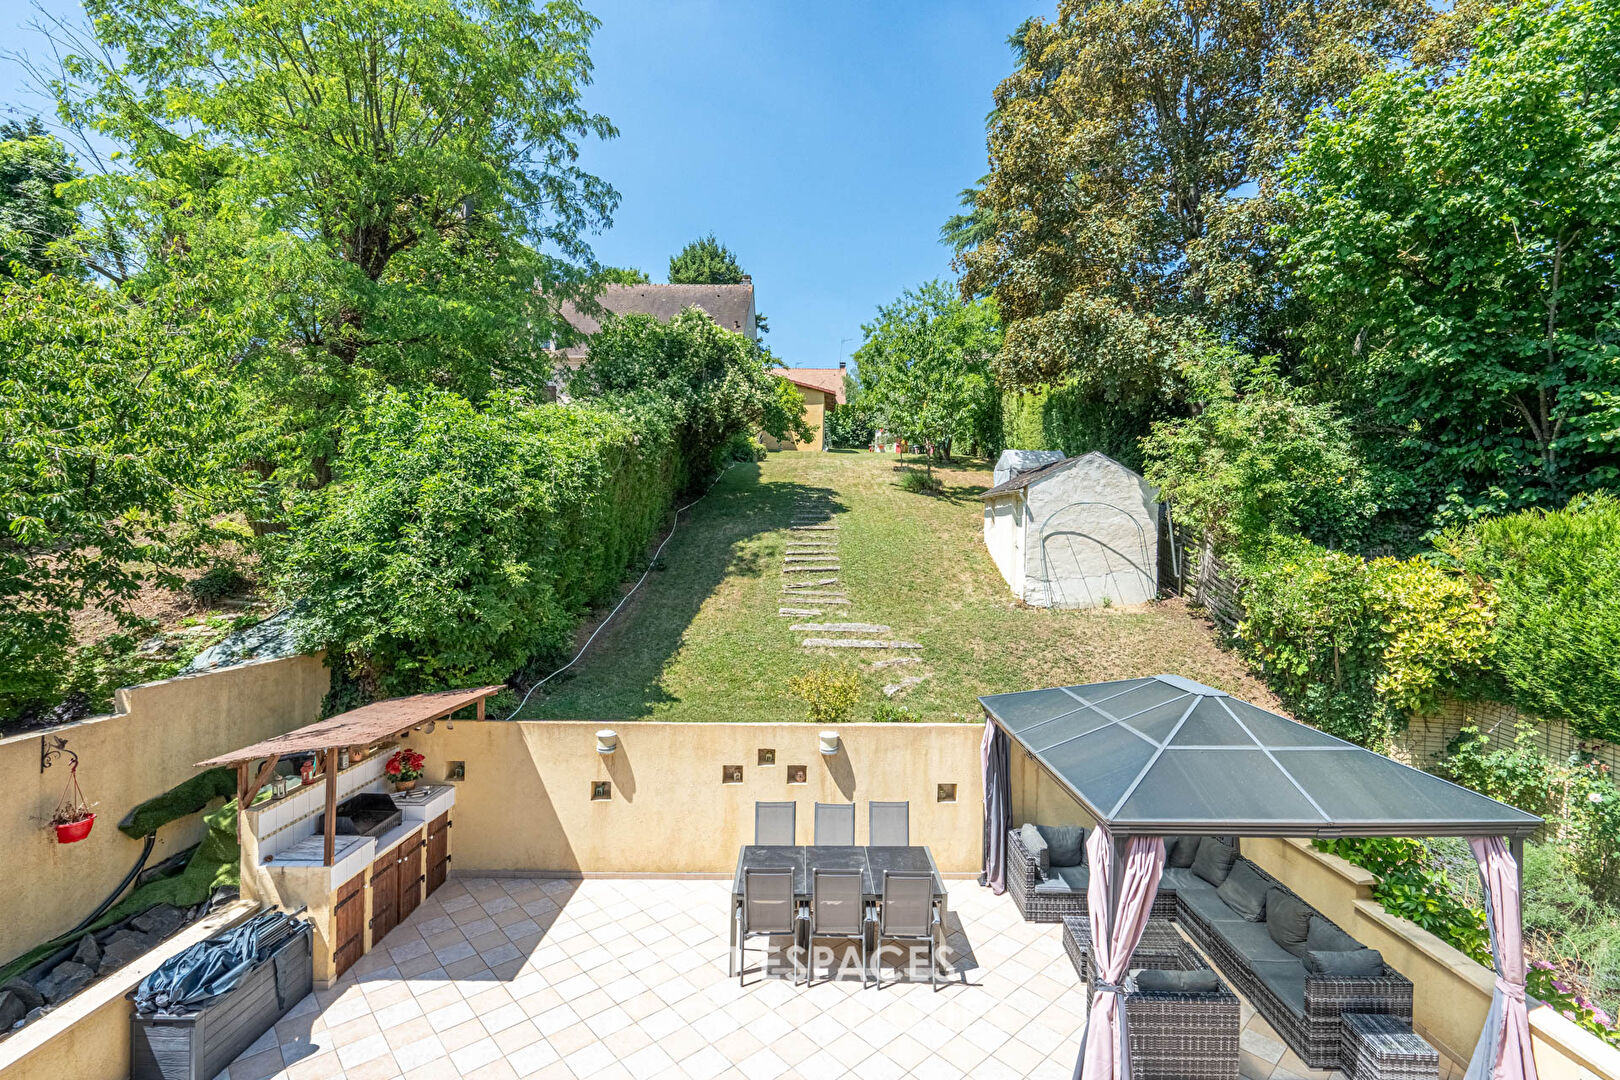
{"x": 1503, "y": 1052}
{"x": 1104, "y": 1053}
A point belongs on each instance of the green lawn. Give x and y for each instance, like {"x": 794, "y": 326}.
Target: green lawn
{"x": 702, "y": 640}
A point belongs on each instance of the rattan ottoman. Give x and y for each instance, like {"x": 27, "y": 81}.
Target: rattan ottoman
{"x": 1377, "y": 1047}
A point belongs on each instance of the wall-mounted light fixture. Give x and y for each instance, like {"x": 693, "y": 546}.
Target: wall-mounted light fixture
{"x": 829, "y": 742}
{"x": 607, "y": 741}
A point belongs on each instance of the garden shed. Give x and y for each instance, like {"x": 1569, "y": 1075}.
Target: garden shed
{"x": 1079, "y": 533}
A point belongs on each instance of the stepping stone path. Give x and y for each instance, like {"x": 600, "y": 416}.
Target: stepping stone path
{"x": 841, "y": 628}
{"x": 857, "y": 643}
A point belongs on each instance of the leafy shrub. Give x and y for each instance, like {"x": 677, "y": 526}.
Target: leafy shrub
{"x": 1259, "y": 461}
{"x": 1542, "y": 981}
{"x": 458, "y": 543}
{"x": 829, "y": 693}
{"x": 1592, "y": 830}
{"x": 218, "y": 581}
{"x": 1557, "y": 581}
{"x": 1354, "y": 645}
{"x": 1412, "y": 885}
{"x": 848, "y": 427}
{"x": 919, "y": 482}
{"x": 887, "y": 712}
{"x": 740, "y": 447}
{"x": 1520, "y": 776}
{"x": 1569, "y": 933}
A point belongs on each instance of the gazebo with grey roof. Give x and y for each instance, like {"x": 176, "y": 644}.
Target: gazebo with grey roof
{"x": 1167, "y": 756}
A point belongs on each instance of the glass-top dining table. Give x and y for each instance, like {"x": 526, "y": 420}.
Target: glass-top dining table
{"x": 805, "y": 859}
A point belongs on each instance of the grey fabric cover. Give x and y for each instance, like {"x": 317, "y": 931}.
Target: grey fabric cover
{"x": 1201, "y": 981}
{"x": 1179, "y": 879}
{"x": 1067, "y": 843}
{"x": 1035, "y": 844}
{"x": 1208, "y": 906}
{"x": 1065, "y": 879}
{"x": 1325, "y": 937}
{"x": 1179, "y": 851}
{"x": 1286, "y": 979}
{"x": 1251, "y": 940}
{"x": 1288, "y": 920}
{"x": 1214, "y": 860}
{"x": 1244, "y": 891}
{"x": 1348, "y": 962}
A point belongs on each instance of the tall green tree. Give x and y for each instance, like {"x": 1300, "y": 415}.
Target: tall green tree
{"x": 924, "y": 369}
{"x": 1454, "y": 241}
{"x": 35, "y": 217}
{"x": 110, "y": 423}
{"x": 391, "y": 185}
{"x": 1134, "y": 157}
{"x": 705, "y": 261}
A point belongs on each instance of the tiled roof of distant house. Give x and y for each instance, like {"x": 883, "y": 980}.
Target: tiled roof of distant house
{"x": 830, "y": 380}
{"x": 732, "y": 306}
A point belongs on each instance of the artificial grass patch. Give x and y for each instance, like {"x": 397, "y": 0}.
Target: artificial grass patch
{"x": 180, "y": 801}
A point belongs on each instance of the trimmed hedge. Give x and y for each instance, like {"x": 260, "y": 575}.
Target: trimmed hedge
{"x": 462, "y": 542}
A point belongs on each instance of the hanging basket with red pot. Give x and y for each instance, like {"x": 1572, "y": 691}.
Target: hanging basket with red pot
{"x": 72, "y": 818}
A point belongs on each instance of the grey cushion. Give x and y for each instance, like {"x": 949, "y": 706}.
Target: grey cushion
{"x": 1179, "y": 851}
{"x": 1244, "y": 891}
{"x": 1355, "y": 962}
{"x": 1325, "y": 937}
{"x": 1067, "y": 843}
{"x": 1065, "y": 880}
{"x": 1202, "y": 981}
{"x": 1202, "y": 901}
{"x": 1288, "y": 919}
{"x": 1035, "y": 844}
{"x": 1250, "y": 941}
{"x": 1286, "y": 979}
{"x": 1214, "y": 860}
{"x": 1178, "y": 879}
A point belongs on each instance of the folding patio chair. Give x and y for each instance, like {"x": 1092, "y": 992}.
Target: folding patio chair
{"x": 906, "y": 913}
{"x": 837, "y": 910}
{"x": 768, "y": 910}
{"x": 773, "y": 823}
{"x": 835, "y": 824}
{"x": 888, "y": 824}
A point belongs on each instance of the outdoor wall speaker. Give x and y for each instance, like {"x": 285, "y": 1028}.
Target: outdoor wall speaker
{"x": 607, "y": 741}
{"x": 829, "y": 742}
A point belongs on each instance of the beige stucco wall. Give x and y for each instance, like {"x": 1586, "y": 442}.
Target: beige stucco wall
{"x": 525, "y": 805}
{"x": 125, "y": 758}
{"x": 815, "y": 409}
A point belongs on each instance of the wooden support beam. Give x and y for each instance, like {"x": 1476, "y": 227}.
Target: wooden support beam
{"x": 253, "y": 788}
{"x": 480, "y": 708}
{"x": 331, "y": 804}
{"x": 241, "y": 798}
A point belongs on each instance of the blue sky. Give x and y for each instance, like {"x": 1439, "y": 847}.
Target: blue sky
{"x": 822, "y": 142}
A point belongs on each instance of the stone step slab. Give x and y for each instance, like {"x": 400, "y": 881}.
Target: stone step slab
{"x": 810, "y": 569}
{"x": 906, "y": 683}
{"x": 800, "y": 559}
{"x": 838, "y": 600}
{"x": 857, "y": 643}
{"x": 841, "y": 628}
{"x": 876, "y": 664}
{"x": 798, "y": 611}
{"x": 809, "y": 584}
{"x": 814, "y": 528}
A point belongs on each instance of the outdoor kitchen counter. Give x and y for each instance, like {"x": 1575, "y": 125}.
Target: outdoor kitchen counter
{"x": 304, "y": 861}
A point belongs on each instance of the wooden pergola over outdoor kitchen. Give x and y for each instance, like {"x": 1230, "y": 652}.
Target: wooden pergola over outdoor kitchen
{"x": 353, "y": 730}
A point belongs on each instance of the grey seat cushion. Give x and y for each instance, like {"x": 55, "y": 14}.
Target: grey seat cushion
{"x": 1067, "y": 843}
{"x": 1244, "y": 891}
{"x": 1201, "y": 899}
{"x": 1286, "y": 980}
{"x": 1177, "y": 878}
{"x": 1288, "y": 918}
{"x": 1253, "y": 942}
{"x": 1214, "y": 860}
{"x": 1323, "y": 936}
{"x": 1065, "y": 880}
{"x": 1199, "y": 981}
{"x": 1352, "y": 962}
{"x": 1179, "y": 851}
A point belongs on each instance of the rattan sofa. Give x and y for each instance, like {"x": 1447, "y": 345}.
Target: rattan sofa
{"x": 1047, "y": 898}
{"x": 1302, "y": 1006}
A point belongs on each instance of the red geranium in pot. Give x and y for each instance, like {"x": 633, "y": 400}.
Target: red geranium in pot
{"x": 404, "y": 768}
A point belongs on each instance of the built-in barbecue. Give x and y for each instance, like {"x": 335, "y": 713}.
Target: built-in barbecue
{"x": 366, "y": 814}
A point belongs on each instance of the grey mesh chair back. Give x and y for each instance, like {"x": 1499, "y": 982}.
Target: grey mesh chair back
{"x": 837, "y": 906}
{"x": 837, "y": 910}
{"x": 773, "y": 824}
{"x": 908, "y": 915}
{"x": 889, "y": 824}
{"x": 768, "y": 901}
{"x": 908, "y": 903}
{"x": 835, "y": 823}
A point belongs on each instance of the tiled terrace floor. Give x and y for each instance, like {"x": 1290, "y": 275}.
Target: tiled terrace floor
{"x": 502, "y": 978}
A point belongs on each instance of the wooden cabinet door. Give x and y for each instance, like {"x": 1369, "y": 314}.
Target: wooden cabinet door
{"x": 438, "y": 852}
{"x": 410, "y": 873}
{"x": 349, "y": 923}
{"x": 384, "y": 895}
